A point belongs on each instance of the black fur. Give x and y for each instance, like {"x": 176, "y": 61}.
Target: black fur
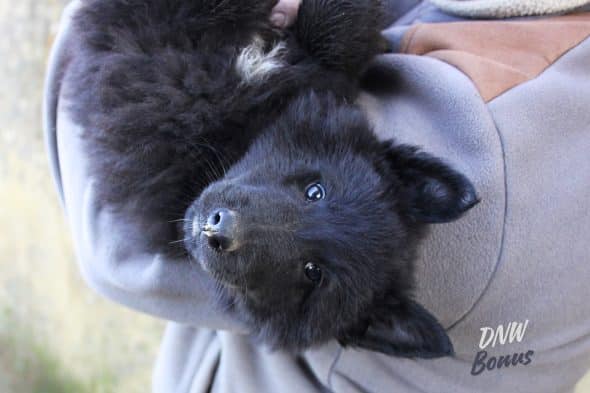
{"x": 174, "y": 133}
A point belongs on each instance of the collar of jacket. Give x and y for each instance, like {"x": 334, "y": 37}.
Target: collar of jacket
{"x": 507, "y": 8}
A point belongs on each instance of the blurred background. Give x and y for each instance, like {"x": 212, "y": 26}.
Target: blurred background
{"x": 56, "y": 335}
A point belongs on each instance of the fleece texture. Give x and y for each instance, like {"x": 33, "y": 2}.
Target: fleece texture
{"x": 507, "y": 8}
{"x": 520, "y": 257}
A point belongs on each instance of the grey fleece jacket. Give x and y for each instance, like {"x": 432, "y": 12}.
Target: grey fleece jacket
{"x": 510, "y": 281}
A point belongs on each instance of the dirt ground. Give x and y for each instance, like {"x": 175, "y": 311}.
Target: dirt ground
{"x": 56, "y": 335}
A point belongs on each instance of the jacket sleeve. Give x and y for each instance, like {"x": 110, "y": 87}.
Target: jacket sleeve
{"x": 109, "y": 248}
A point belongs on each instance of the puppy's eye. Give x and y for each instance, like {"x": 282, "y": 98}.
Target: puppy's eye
{"x": 315, "y": 192}
{"x": 313, "y": 272}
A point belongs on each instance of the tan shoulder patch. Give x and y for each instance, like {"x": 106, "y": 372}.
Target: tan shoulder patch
{"x": 499, "y": 55}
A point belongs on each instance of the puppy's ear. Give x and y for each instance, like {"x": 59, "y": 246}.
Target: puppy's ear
{"x": 408, "y": 331}
{"x": 432, "y": 191}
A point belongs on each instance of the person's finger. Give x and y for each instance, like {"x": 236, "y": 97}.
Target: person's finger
{"x": 284, "y": 13}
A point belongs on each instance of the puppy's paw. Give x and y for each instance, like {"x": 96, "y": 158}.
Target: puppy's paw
{"x": 238, "y": 11}
{"x": 341, "y": 34}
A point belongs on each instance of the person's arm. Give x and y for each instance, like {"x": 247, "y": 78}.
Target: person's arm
{"x": 110, "y": 249}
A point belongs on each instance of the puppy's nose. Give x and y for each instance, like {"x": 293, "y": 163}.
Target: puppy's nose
{"x": 220, "y": 230}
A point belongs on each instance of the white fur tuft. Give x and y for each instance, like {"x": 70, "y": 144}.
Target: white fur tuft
{"x": 253, "y": 64}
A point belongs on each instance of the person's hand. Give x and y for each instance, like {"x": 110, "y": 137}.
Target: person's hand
{"x": 284, "y": 13}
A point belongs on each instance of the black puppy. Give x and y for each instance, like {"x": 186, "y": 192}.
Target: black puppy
{"x": 200, "y": 111}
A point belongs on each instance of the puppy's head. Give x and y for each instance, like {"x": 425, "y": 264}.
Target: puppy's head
{"x": 311, "y": 236}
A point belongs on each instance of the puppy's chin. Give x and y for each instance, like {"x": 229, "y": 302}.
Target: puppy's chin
{"x": 217, "y": 268}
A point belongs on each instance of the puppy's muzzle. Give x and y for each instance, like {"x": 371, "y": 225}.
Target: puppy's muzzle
{"x": 220, "y": 230}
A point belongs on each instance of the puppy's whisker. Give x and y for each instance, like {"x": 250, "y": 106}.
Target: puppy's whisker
{"x": 179, "y": 220}
{"x": 179, "y": 241}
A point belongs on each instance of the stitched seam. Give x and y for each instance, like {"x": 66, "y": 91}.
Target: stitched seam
{"x": 503, "y": 238}
{"x": 355, "y": 385}
{"x": 582, "y": 41}
{"x": 333, "y": 367}
{"x": 408, "y": 39}
{"x": 505, "y": 212}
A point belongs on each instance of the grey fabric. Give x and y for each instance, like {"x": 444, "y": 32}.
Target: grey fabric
{"x": 519, "y": 255}
{"x": 450, "y": 121}
{"x": 422, "y": 12}
{"x": 540, "y": 179}
{"x": 394, "y": 10}
{"x": 57, "y": 65}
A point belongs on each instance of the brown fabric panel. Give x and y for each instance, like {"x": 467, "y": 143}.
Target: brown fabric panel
{"x": 498, "y": 55}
